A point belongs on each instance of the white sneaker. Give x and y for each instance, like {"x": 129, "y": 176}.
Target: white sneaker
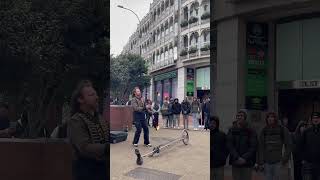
{"x": 135, "y": 145}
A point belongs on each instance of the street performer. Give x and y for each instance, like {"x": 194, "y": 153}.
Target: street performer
{"x": 88, "y": 135}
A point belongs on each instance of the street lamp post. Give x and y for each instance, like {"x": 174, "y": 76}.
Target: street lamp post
{"x": 119, "y": 6}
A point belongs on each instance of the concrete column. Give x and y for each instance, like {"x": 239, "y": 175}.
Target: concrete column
{"x": 226, "y": 101}
{"x": 181, "y": 83}
{"x": 272, "y": 95}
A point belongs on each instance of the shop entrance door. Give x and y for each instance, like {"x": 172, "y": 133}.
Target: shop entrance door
{"x": 201, "y": 94}
{"x": 297, "y": 105}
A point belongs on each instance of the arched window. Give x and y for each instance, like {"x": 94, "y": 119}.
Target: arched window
{"x": 162, "y": 6}
{"x": 194, "y": 9}
{"x": 166, "y": 27}
{"x": 205, "y": 5}
{"x": 171, "y": 50}
{"x": 185, "y": 41}
{"x": 166, "y": 53}
{"x": 162, "y": 30}
{"x": 185, "y": 13}
{"x": 171, "y": 24}
{"x": 194, "y": 39}
{"x": 171, "y": 2}
{"x": 158, "y": 33}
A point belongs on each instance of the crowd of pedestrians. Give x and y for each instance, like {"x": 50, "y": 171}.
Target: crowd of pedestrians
{"x": 269, "y": 151}
{"x": 173, "y": 112}
{"x": 146, "y": 114}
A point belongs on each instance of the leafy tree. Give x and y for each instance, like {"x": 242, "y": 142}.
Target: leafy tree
{"x": 46, "y": 47}
{"x": 126, "y": 72}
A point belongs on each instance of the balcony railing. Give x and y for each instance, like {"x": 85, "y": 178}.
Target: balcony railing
{"x": 195, "y": 51}
{"x": 204, "y": 21}
{"x": 193, "y": 24}
{"x": 162, "y": 64}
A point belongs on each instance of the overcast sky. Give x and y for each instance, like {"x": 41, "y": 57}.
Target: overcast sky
{"x": 123, "y": 23}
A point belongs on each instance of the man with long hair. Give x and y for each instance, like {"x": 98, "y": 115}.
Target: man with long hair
{"x": 88, "y": 134}
{"x": 273, "y": 139}
{"x": 139, "y": 110}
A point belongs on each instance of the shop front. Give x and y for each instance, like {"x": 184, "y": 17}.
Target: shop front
{"x": 297, "y": 69}
{"x": 203, "y": 82}
{"x": 268, "y": 61}
{"x": 165, "y": 85}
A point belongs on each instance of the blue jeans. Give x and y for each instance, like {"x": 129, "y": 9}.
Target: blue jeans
{"x": 272, "y": 171}
{"x": 195, "y": 120}
{"x": 176, "y": 120}
{"x": 141, "y": 124}
{"x": 170, "y": 121}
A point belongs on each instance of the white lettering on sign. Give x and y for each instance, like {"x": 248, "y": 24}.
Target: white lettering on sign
{"x": 307, "y": 84}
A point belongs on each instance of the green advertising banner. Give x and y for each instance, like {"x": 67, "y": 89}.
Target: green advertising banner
{"x": 257, "y": 66}
{"x": 190, "y": 82}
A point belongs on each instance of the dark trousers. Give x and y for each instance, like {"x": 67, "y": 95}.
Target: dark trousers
{"x": 155, "y": 120}
{"x": 148, "y": 119}
{"x": 89, "y": 170}
{"x": 310, "y": 171}
{"x": 297, "y": 168}
{"x": 141, "y": 124}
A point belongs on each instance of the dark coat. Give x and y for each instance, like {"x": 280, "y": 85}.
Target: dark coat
{"x": 176, "y": 108}
{"x": 185, "y": 107}
{"x": 219, "y": 150}
{"x": 309, "y": 145}
{"x": 242, "y": 142}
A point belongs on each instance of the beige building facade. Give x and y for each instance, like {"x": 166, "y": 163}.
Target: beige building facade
{"x": 174, "y": 38}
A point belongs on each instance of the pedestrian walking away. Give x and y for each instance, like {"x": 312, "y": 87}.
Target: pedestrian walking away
{"x": 242, "y": 143}
{"x": 219, "y": 151}
{"x": 186, "y": 109}
{"x": 273, "y": 139}
{"x": 139, "y": 110}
